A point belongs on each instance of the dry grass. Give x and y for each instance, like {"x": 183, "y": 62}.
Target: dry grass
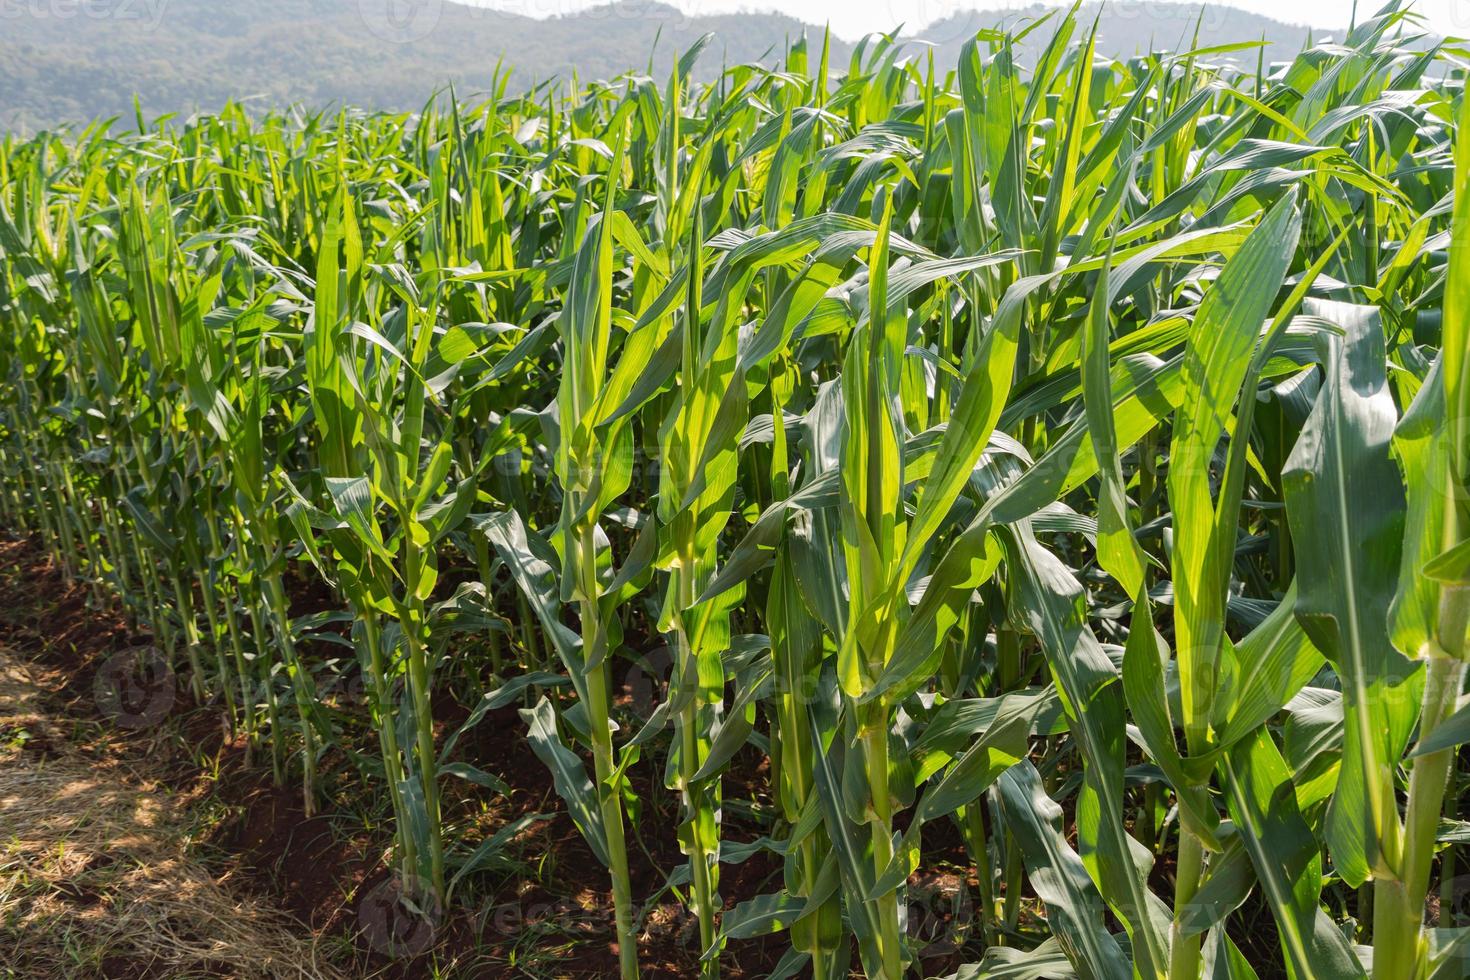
{"x": 96, "y": 878}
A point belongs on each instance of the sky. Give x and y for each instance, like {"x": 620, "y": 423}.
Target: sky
{"x": 853, "y": 18}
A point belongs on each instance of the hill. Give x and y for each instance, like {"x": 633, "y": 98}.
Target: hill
{"x": 66, "y": 62}
{"x": 1126, "y": 29}
{"x": 179, "y": 55}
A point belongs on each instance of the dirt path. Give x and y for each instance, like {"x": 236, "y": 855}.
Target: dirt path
{"x": 137, "y": 840}
{"x": 96, "y": 873}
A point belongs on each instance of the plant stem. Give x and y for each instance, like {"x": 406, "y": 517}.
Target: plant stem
{"x": 695, "y": 798}
{"x": 185, "y": 602}
{"x": 1184, "y": 951}
{"x": 388, "y": 738}
{"x": 299, "y": 681}
{"x": 875, "y": 751}
{"x": 1399, "y": 942}
{"x": 418, "y": 682}
{"x": 609, "y": 800}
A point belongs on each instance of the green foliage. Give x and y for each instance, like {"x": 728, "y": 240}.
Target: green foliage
{"x": 1071, "y": 454}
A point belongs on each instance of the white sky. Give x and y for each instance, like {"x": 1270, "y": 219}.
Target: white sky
{"x": 853, "y": 18}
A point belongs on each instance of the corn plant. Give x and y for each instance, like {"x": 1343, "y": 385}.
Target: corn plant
{"x": 592, "y": 467}
{"x": 1045, "y": 470}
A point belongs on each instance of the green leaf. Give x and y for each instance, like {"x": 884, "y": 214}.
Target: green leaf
{"x": 567, "y": 774}
{"x": 1452, "y": 566}
{"x": 1051, "y": 601}
{"x": 1453, "y": 731}
{"x": 1075, "y": 911}
{"x": 538, "y": 581}
{"x": 1143, "y": 685}
{"x": 1286, "y": 859}
{"x": 1225, "y": 331}
{"x": 1345, "y": 502}
{"x": 1117, "y": 550}
{"x": 488, "y": 851}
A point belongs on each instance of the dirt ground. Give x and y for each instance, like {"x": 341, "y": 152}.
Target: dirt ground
{"x": 138, "y": 839}
{"x": 97, "y": 874}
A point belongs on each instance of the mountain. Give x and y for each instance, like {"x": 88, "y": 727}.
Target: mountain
{"x": 179, "y": 55}
{"x": 73, "y": 61}
{"x": 1126, "y": 29}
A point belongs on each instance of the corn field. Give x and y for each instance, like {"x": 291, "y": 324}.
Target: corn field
{"x": 1068, "y": 457}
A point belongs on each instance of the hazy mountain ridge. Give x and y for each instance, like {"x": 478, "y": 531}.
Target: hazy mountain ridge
{"x": 182, "y": 55}
{"x": 1126, "y": 29}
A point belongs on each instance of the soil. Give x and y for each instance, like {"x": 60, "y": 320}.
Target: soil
{"x": 548, "y": 914}
{"x": 99, "y": 874}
